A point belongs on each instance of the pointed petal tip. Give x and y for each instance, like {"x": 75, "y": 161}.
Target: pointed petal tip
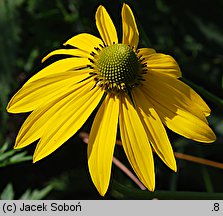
{"x": 16, "y": 146}
{"x": 100, "y": 7}
{"x": 208, "y": 139}
{"x": 102, "y": 192}
{"x": 101, "y": 188}
{"x": 149, "y": 182}
{"x": 173, "y": 167}
{"x": 13, "y": 107}
{"x": 105, "y": 26}
{"x": 36, "y": 158}
{"x": 65, "y": 43}
{"x": 125, "y": 6}
{"x": 207, "y": 113}
{"x": 44, "y": 59}
{"x": 9, "y": 107}
{"x": 19, "y": 142}
{"x": 172, "y": 164}
{"x": 211, "y": 138}
{"x": 38, "y": 155}
{"x": 151, "y": 187}
{"x": 130, "y": 34}
{"x": 175, "y": 170}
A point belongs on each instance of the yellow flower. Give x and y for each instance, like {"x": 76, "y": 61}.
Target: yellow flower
{"x": 137, "y": 89}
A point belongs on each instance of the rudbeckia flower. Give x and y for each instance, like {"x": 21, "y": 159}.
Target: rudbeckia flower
{"x": 136, "y": 91}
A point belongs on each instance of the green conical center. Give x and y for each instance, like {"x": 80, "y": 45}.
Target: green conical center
{"x": 118, "y": 64}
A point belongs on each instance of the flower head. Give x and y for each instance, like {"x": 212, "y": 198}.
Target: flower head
{"x": 138, "y": 90}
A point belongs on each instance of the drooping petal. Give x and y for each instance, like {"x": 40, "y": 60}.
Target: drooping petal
{"x": 41, "y": 118}
{"x": 183, "y": 88}
{"x": 183, "y": 122}
{"x": 72, "y": 52}
{"x": 155, "y": 129}
{"x": 85, "y": 42}
{"x": 102, "y": 142}
{"x": 40, "y": 91}
{"x": 136, "y": 144}
{"x": 173, "y": 93}
{"x": 130, "y": 34}
{"x": 163, "y": 64}
{"x": 105, "y": 26}
{"x": 68, "y": 121}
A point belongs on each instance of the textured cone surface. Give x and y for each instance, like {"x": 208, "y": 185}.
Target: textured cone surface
{"x": 118, "y": 64}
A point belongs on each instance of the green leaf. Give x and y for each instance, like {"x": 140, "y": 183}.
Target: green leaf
{"x": 207, "y": 179}
{"x": 20, "y": 157}
{"x": 122, "y": 192}
{"x": 36, "y": 194}
{"x": 4, "y": 147}
{"x": 7, "y": 193}
{"x": 8, "y": 157}
{"x": 210, "y": 30}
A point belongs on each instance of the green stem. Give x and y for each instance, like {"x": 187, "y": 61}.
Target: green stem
{"x": 207, "y": 179}
{"x": 122, "y": 192}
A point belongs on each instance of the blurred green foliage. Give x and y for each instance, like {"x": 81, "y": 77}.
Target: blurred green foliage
{"x": 11, "y": 156}
{"x": 8, "y": 193}
{"x": 191, "y": 31}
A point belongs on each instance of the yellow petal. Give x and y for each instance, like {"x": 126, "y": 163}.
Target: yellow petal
{"x": 72, "y": 52}
{"x": 163, "y": 64}
{"x": 136, "y": 144}
{"x": 183, "y": 88}
{"x": 41, "y": 118}
{"x": 85, "y": 42}
{"x": 68, "y": 64}
{"x": 145, "y": 52}
{"x": 68, "y": 121}
{"x": 102, "y": 142}
{"x": 155, "y": 129}
{"x": 172, "y": 93}
{"x": 40, "y": 91}
{"x": 105, "y": 26}
{"x": 130, "y": 32}
{"x": 183, "y": 122}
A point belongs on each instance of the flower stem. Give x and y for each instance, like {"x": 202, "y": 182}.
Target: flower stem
{"x": 198, "y": 160}
{"x": 122, "y": 167}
